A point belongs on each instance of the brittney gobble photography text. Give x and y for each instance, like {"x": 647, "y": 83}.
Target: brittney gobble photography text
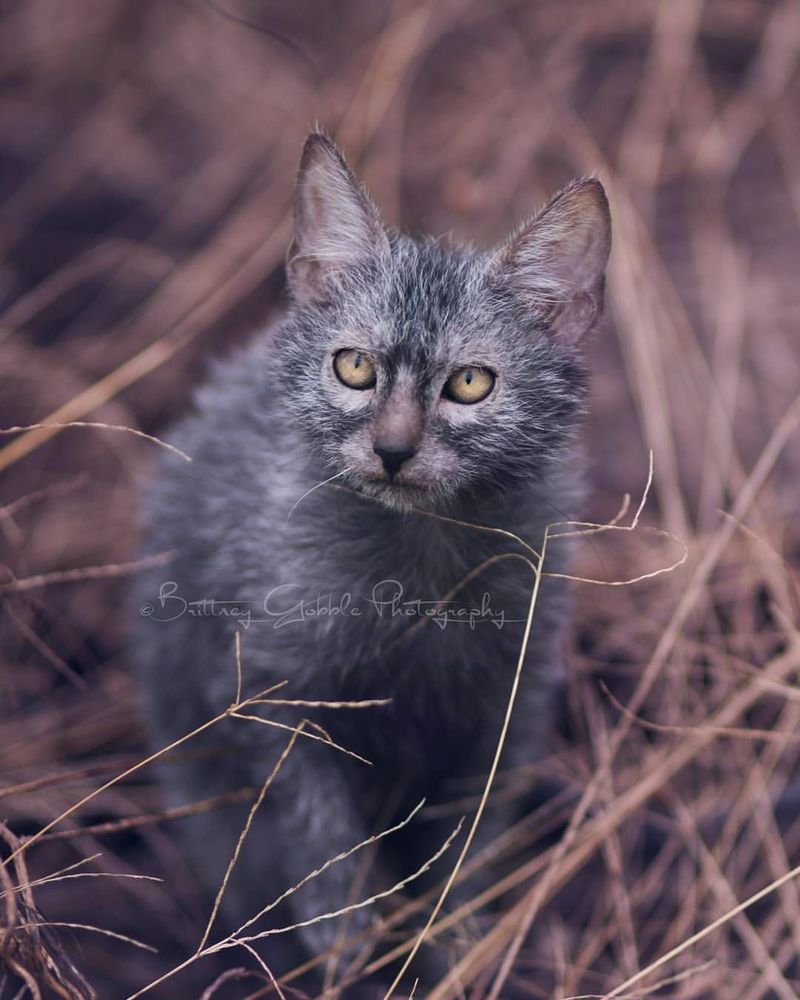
{"x": 292, "y": 603}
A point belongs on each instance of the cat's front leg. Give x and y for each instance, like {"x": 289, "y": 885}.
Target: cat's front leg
{"x": 308, "y": 830}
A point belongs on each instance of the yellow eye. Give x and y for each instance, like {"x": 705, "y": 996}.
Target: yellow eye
{"x": 469, "y": 385}
{"x": 354, "y": 369}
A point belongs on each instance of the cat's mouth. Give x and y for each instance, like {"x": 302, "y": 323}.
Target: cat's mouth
{"x": 399, "y": 485}
{"x": 396, "y": 493}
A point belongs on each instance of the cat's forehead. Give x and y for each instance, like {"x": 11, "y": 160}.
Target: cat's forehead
{"x": 433, "y": 280}
{"x": 433, "y": 299}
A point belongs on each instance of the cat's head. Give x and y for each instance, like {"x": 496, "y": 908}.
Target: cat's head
{"x": 425, "y": 370}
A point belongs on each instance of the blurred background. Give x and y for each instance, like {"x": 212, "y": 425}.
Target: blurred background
{"x": 147, "y": 161}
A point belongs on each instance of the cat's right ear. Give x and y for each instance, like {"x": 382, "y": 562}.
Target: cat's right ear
{"x": 336, "y": 225}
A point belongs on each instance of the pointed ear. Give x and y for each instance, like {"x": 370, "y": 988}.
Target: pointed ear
{"x": 335, "y": 223}
{"x": 556, "y": 262}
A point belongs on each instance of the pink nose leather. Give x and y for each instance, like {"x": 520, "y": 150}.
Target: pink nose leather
{"x": 398, "y": 429}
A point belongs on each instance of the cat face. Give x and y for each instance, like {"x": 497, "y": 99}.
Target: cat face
{"x": 420, "y": 371}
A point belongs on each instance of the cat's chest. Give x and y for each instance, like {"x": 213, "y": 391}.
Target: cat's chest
{"x": 427, "y": 619}
{"x": 368, "y": 605}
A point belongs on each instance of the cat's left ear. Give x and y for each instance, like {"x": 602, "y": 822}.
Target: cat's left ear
{"x": 556, "y": 262}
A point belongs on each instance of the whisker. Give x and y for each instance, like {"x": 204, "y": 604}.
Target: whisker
{"x": 316, "y": 487}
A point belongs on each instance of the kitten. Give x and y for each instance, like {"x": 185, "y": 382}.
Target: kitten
{"x": 418, "y": 379}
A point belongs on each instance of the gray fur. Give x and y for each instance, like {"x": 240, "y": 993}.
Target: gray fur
{"x": 273, "y": 422}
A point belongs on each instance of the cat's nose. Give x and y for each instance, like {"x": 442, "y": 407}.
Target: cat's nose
{"x": 394, "y": 457}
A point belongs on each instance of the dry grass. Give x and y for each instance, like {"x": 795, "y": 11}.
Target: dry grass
{"x": 148, "y": 156}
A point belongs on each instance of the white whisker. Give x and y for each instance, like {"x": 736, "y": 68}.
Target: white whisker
{"x": 316, "y": 487}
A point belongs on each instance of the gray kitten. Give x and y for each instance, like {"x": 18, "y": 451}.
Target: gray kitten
{"x": 422, "y": 379}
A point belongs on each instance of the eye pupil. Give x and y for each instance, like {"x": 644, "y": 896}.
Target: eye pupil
{"x": 468, "y": 376}
{"x": 357, "y": 361}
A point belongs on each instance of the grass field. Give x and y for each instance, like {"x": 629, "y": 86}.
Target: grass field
{"x": 147, "y": 162}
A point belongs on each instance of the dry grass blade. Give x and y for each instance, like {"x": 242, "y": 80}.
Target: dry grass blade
{"x": 536, "y": 569}
{"x": 246, "y": 829}
{"x": 33, "y": 956}
{"x": 84, "y": 573}
{"x": 103, "y": 427}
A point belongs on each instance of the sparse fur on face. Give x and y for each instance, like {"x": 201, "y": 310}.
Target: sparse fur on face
{"x": 427, "y": 379}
